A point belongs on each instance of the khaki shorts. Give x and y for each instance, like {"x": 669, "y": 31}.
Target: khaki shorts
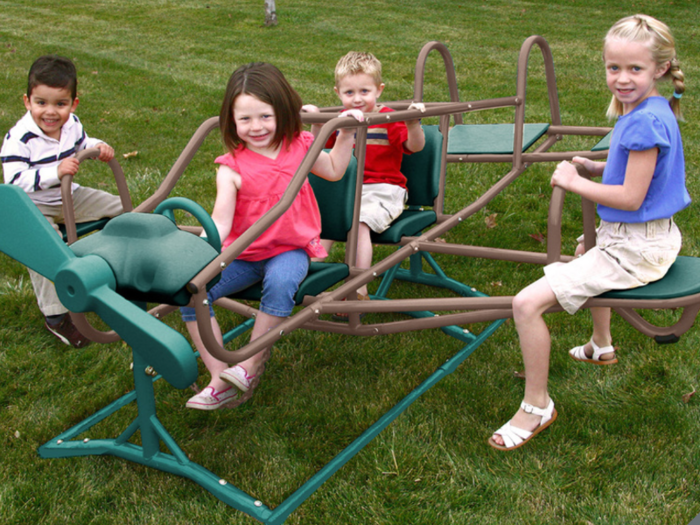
{"x": 626, "y": 255}
{"x": 381, "y": 205}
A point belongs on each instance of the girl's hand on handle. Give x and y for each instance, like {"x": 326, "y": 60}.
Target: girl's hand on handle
{"x": 564, "y": 176}
{"x": 593, "y": 167}
{"x": 310, "y": 108}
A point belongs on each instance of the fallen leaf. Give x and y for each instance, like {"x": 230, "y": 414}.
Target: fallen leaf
{"x": 491, "y": 220}
{"x": 497, "y": 283}
{"x": 539, "y": 237}
{"x": 130, "y": 154}
{"x": 686, "y": 397}
{"x": 519, "y": 375}
{"x": 440, "y": 240}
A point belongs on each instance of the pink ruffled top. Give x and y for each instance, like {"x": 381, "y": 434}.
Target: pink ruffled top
{"x": 263, "y": 182}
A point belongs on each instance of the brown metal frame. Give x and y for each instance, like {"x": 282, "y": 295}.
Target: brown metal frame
{"x": 475, "y": 309}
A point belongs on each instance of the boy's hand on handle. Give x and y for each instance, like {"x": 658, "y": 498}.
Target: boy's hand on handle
{"x": 415, "y": 105}
{"x": 68, "y": 166}
{"x": 106, "y": 152}
{"x": 355, "y": 113}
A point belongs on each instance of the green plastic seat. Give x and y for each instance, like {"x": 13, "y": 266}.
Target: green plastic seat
{"x": 490, "y": 139}
{"x": 681, "y": 280}
{"x": 151, "y": 258}
{"x": 422, "y": 171}
{"x": 603, "y": 144}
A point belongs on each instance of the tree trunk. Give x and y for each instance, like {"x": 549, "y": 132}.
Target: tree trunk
{"x": 270, "y": 13}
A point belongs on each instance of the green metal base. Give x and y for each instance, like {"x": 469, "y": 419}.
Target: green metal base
{"x": 176, "y": 462}
{"x": 153, "y": 433}
{"x": 416, "y": 274}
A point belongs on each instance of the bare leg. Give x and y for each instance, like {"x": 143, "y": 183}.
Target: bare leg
{"x": 214, "y": 366}
{"x": 528, "y": 308}
{"x": 263, "y": 323}
{"x": 601, "y": 325}
{"x": 327, "y": 245}
{"x": 364, "y": 252}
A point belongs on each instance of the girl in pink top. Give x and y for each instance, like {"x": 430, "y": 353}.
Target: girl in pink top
{"x": 261, "y": 128}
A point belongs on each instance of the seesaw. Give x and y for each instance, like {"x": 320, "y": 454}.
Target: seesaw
{"x": 100, "y": 274}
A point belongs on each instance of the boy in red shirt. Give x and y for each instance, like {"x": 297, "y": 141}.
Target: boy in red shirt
{"x": 358, "y": 84}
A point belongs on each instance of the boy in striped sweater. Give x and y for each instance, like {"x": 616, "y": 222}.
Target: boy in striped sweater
{"x": 40, "y": 150}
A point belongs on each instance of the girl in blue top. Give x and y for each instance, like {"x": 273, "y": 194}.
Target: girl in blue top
{"x": 637, "y": 241}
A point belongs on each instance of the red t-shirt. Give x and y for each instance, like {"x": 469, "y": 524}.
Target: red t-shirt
{"x": 385, "y": 151}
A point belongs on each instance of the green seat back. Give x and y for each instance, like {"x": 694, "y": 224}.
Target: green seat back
{"x": 681, "y": 280}
{"x": 151, "y": 258}
{"x": 336, "y": 201}
{"x": 422, "y": 171}
{"x": 490, "y": 139}
{"x": 603, "y": 144}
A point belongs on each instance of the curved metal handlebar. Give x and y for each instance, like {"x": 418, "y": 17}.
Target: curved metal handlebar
{"x": 181, "y": 203}
{"x": 67, "y": 195}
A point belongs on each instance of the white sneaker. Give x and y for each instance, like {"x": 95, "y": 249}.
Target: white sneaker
{"x": 238, "y": 377}
{"x": 210, "y": 399}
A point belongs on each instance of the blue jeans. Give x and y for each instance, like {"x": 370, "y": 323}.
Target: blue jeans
{"x": 281, "y": 276}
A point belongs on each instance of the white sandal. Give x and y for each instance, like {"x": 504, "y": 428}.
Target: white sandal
{"x": 514, "y": 437}
{"x": 579, "y": 354}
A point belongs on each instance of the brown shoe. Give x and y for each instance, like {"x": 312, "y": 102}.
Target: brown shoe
{"x": 68, "y": 333}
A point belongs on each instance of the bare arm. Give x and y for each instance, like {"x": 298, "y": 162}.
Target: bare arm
{"x": 332, "y": 166}
{"x": 310, "y": 108}
{"x": 416, "y": 138}
{"x": 228, "y": 182}
{"x": 628, "y": 196}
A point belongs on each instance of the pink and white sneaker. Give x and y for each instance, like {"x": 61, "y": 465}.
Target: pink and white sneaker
{"x": 238, "y": 377}
{"x": 210, "y": 399}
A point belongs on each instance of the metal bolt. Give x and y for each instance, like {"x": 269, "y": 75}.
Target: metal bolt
{"x": 374, "y": 274}
{"x": 222, "y": 482}
{"x": 59, "y": 442}
{"x": 281, "y": 332}
{"x": 157, "y": 315}
{"x": 466, "y": 331}
{"x": 205, "y": 302}
{"x": 150, "y": 371}
{"x": 223, "y": 265}
{"x": 86, "y": 440}
{"x": 258, "y": 503}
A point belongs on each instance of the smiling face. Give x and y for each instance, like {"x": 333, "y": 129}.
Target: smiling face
{"x": 255, "y": 123}
{"x": 50, "y": 108}
{"x": 359, "y": 92}
{"x": 631, "y": 72}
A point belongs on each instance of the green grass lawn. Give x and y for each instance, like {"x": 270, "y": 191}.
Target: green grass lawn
{"x": 625, "y": 449}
